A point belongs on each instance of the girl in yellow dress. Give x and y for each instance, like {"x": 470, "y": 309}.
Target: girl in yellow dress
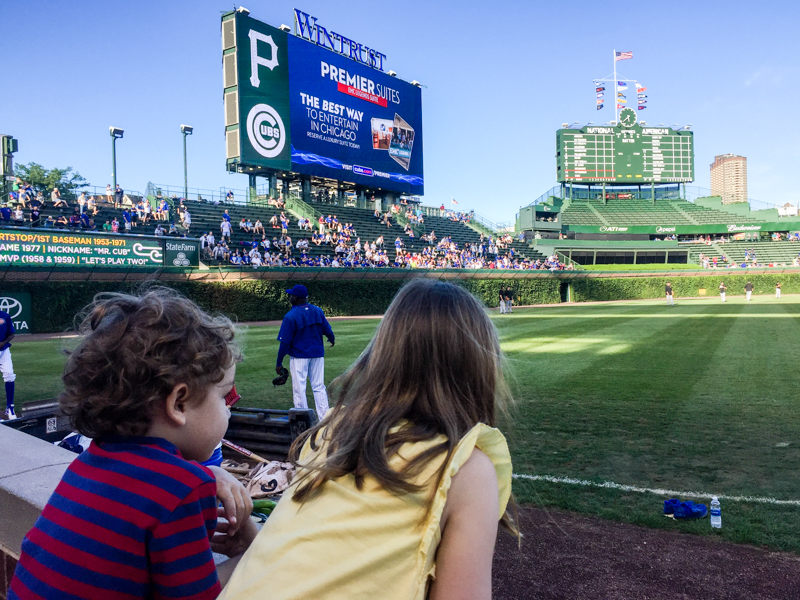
{"x": 401, "y": 488}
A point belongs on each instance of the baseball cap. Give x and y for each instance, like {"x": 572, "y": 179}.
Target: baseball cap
{"x": 299, "y": 290}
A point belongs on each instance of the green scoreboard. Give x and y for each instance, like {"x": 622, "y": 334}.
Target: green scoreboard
{"x": 628, "y": 153}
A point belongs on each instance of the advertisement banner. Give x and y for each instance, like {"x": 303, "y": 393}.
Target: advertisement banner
{"x": 309, "y": 110}
{"x": 665, "y": 230}
{"x": 181, "y": 253}
{"x": 49, "y": 248}
{"x": 19, "y": 308}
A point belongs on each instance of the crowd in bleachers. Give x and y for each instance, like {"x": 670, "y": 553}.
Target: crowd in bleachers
{"x": 750, "y": 259}
{"x": 270, "y": 237}
{"x": 271, "y": 245}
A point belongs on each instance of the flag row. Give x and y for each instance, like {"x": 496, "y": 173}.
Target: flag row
{"x": 621, "y": 97}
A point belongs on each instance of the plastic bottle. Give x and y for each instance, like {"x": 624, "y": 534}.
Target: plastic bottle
{"x": 716, "y": 513}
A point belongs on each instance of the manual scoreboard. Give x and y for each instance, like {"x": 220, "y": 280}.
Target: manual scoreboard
{"x": 625, "y": 153}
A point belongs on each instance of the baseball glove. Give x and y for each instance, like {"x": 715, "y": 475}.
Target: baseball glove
{"x": 281, "y": 379}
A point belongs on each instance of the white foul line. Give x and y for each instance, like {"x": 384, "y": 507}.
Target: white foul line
{"x": 657, "y": 491}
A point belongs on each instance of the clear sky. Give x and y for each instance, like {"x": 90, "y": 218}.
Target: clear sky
{"x": 501, "y": 77}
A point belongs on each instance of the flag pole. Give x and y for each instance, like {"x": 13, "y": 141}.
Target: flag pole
{"x": 616, "y": 104}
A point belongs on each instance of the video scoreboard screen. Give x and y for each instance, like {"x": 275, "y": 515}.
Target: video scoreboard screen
{"x": 294, "y": 106}
{"x": 625, "y": 153}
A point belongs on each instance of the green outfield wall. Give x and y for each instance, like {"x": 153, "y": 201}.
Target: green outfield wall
{"x": 54, "y": 304}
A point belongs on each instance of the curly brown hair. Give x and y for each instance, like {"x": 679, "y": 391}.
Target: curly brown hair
{"x": 135, "y": 350}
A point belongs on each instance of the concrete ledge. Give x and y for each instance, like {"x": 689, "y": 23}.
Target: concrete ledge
{"x": 29, "y": 473}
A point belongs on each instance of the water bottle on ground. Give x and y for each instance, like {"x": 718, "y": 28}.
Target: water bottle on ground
{"x": 716, "y": 513}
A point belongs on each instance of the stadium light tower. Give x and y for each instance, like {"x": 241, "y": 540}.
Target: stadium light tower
{"x": 185, "y": 130}
{"x": 115, "y": 133}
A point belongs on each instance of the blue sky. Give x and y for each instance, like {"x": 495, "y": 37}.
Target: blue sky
{"x": 501, "y": 77}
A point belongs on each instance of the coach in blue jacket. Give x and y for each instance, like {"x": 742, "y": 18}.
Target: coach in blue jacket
{"x": 301, "y": 338}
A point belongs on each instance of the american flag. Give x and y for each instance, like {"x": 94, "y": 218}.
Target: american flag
{"x": 623, "y": 55}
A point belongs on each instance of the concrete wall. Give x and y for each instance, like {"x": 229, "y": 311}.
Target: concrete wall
{"x": 30, "y": 469}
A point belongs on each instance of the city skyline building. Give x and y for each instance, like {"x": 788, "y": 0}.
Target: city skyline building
{"x": 729, "y": 178}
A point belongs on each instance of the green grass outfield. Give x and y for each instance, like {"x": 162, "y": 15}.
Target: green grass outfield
{"x": 700, "y": 397}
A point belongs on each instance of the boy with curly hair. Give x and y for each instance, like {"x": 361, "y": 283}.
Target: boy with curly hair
{"x": 134, "y": 515}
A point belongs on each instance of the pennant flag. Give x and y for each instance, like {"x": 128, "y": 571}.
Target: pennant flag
{"x": 621, "y": 101}
{"x": 641, "y": 107}
{"x": 621, "y": 95}
{"x": 600, "y": 89}
{"x": 600, "y": 100}
{"x": 599, "y": 106}
{"x": 642, "y": 101}
{"x": 622, "y": 84}
{"x": 642, "y": 96}
{"x": 622, "y": 56}
{"x": 640, "y": 88}
{"x": 620, "y": 106}
{"x": 452, "y": 201}
{"x": 600, "y": 94}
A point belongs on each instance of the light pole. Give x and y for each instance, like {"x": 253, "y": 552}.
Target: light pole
{"x": 115, "y": 132}
{"x": 185, "y": 130}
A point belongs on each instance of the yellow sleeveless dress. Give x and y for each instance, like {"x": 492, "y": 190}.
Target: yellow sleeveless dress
{"x": 355, "y": 544}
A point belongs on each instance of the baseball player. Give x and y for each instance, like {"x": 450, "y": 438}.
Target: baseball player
{"x": 300, "y": 336}
{"x": 7, "y": 334}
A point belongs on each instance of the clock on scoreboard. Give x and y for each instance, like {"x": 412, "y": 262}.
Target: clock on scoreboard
{"x": 627, "y": 152}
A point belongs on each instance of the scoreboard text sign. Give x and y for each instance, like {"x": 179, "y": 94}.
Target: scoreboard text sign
{"x": 50, "y": 248}
{"x": 624, "y": 154}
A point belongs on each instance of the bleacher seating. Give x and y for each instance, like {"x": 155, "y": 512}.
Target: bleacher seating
{"x": 766, "y": 252}
{"x": 633, "y": 212}
{"x": 207, "y": 216}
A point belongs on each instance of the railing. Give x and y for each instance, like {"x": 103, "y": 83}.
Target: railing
{"x": 93, "y": 190}
{"x": 663, "y": 192}
{"x": 401, "y": 219}
{"x": 501, "y": 227}
{"x": 554, "y": 191}
{"x": 203, "y": 194}
{"x": 693, "y": 192}
{"x": 563, "y": 258}
{"x": 305, "y": 210}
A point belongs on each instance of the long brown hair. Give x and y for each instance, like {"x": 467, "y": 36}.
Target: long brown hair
{"x": 435, "y": 364}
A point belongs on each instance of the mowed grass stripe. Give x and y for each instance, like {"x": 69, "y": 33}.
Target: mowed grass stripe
{"x": 600, "y": 414}
{"x": 745, "y": 394}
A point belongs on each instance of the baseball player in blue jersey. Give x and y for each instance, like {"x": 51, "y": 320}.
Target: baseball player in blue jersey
{"x": 300, "y": 336}
{"x": 6, "y": 367}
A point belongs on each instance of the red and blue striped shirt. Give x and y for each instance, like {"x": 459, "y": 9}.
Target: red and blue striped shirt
{"x": 130, "y": 519}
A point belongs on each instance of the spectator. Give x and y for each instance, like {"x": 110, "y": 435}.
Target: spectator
{"x": 187, "y": 220}
{"x": 115, "y": 225}
{"x": 91, "y": 205}
{"x": 5, "y": 214}
{"x": 118, "y": 195}
{"x": 36, "y": 217}
{"x": 58, "y": 202}
{"x": 160, "y": 231}
{"x": 19, "y": 217}
{"x": 126, "y": 220}
{"x": 109, "y": 193}
{"x": 225, "y": 229}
